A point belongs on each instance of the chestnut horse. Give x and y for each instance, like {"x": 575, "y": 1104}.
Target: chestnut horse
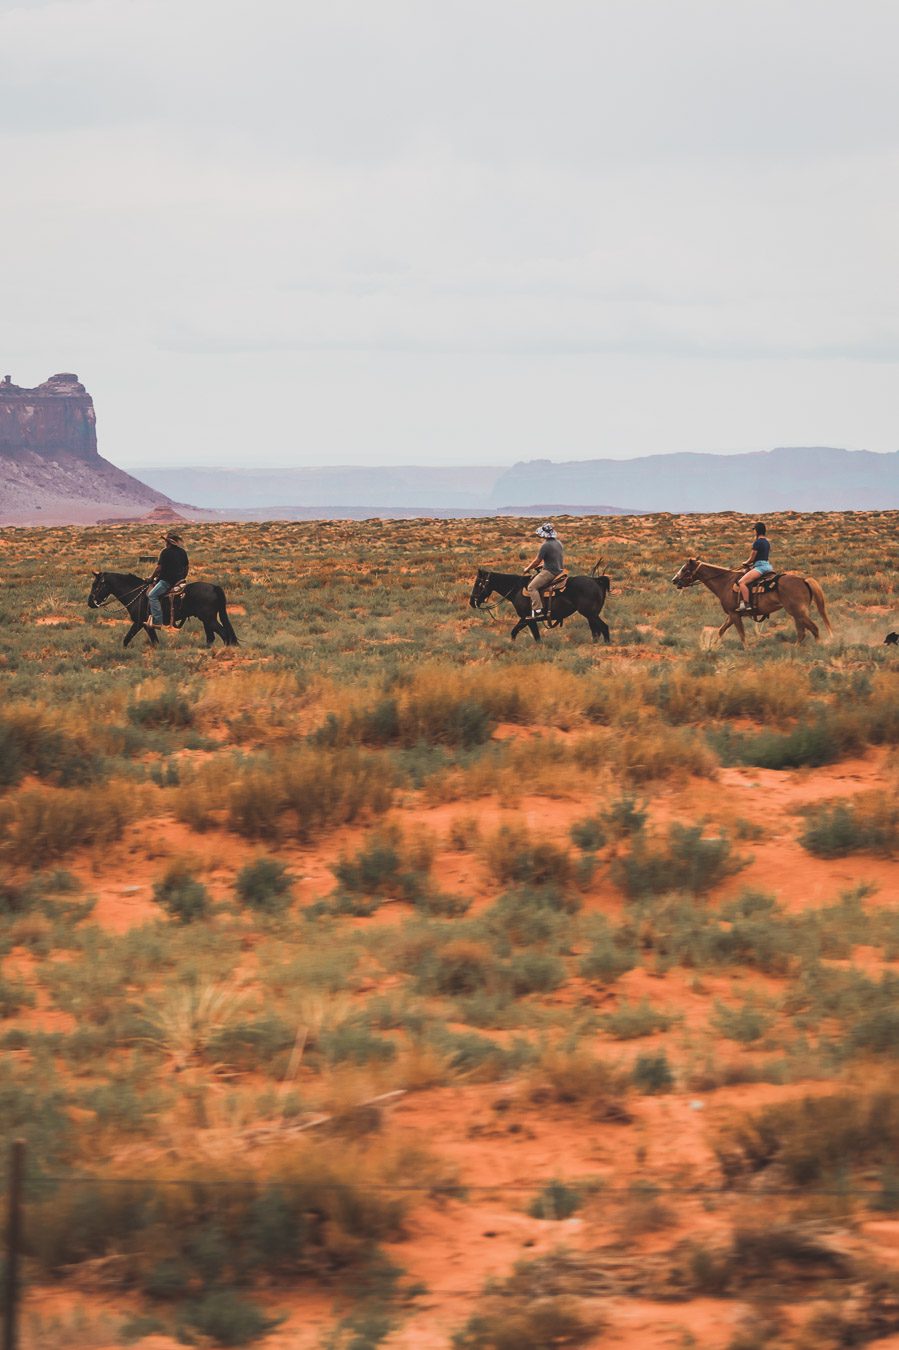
{"x": 791, "y": 592}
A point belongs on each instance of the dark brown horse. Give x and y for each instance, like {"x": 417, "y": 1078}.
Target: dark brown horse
{"x": 582, "y": 595}
{"x": 791, "y": 592}
{"x": 201, "y": 601}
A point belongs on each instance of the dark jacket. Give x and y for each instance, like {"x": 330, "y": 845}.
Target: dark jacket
{"x": 173, "y": 564}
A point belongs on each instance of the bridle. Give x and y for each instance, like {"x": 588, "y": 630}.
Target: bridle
{"x": 101, "y": 604}
{"x": 691, "y": 579}
{"x": 482, "y": 603}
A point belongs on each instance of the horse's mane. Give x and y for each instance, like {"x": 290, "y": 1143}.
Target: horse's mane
{"x": 126, "y": 576}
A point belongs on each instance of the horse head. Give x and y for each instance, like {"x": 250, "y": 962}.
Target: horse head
{"x": 481, "y": 589}
{"x": 99, "y": 591}
{"x": 686, "y": 575}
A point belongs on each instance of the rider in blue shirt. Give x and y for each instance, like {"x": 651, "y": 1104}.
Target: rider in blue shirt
{"x": 757, "y": 563}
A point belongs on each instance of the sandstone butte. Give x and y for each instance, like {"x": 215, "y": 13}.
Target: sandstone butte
{"x": 56, "y": 418}
{"x": 51, "y": 471}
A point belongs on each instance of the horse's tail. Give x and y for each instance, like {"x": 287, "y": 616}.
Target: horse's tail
{"x": 222, "y": 616}
{"x": 818, "y": 597}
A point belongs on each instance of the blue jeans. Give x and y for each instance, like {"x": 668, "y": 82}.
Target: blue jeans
{"x": 159, "y": 590}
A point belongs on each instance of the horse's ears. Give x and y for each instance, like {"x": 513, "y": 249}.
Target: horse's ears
{"x": 96, "y": 574}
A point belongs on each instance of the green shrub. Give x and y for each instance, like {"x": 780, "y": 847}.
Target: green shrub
{"x": 200, "y": 1231}
{"x": 625, "y": 817}
{"x": 529, "y": 915}
{"x": 815, "y": 1139}
{"x": 835, "y": 831}
{"x": 300, "y": 795}
{"x": 746, "y": 1024}
{"x": 168, "y": 709}
{"x": 31, "y": 744}
{"x": 42, "y": 824}
{"x": 264, "y": 885}
{"x": 13, "y": 997}
{"x": 461, "y": 966}
{"x": 687, "y": 863}
{"x": 180, "y": 894}
{"x": 388, "y": 866}
{"x": 227, "y": 1318}
{"x": 652, "y": 1073}
{"x": 535, "y": 972}
{"x": 606, "y": 961}
{"x": 514, "y": 857}
{"x": 631, "y": 1021}
{"x": 556, "y": 1201}
{"x": 825, "y": 740}
{"x": 533, "y": 1309}
{"x": 588, "y": 834}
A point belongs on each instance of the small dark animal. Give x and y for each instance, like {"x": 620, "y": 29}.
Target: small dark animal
{"x": 582, "y": 595}
{"x": 201, "y": 601}
{"x": 891, "y": 639}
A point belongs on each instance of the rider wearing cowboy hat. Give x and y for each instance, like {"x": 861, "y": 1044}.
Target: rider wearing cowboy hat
{"x": 172, "y": 567}
{"x": 549, "y": 563}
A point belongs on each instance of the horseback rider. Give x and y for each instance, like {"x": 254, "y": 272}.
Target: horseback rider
{"x": 549, "y": 564}
{"x": 172, "y": 567}
{"x": 757, "y": 565}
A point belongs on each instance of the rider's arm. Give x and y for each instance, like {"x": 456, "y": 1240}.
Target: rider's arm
{"x": 535, "y": 562}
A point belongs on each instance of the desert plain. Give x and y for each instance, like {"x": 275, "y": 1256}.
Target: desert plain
{"x": 383, "y": 982}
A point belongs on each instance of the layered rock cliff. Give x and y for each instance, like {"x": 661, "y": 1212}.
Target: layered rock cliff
{"x": 50, "y": 469}
{"x": 56, "y": 418}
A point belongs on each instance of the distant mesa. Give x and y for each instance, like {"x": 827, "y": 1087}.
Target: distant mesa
{"x": 51, "y": 472}
{"x": 56, "y": 418}
{"x": 160, "y": 515}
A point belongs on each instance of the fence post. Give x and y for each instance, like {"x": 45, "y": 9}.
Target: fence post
{"x": 13, "y": 1234}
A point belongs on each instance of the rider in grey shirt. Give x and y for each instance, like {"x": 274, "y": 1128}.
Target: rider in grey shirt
{"x": 550, "y": 563}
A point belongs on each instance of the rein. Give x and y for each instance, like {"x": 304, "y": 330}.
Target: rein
{"x": 124, "y": 599}
{"x": 503, "y": 595}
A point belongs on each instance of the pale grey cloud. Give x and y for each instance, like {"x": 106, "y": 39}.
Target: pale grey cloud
{"x": 485, "y": 230}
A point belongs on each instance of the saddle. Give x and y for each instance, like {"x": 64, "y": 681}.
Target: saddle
{"x": 555, "y": 587}
{"x": 757, "y": 589}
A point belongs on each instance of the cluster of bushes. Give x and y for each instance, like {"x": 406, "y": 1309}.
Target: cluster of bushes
{"x": 32, "y": 743}
{"x": 391, "y": 866}
{"x": 688, "y": 862}
{"x": 816, "y": 1139}
{"x": 434, "y": 707}
{"x": 542, "y": 1304}
{"x": 42, "y": 824}
{"x": 191, "y": 1242}
{"x": 869, "y": 823}
{"x": 298, "y": 796}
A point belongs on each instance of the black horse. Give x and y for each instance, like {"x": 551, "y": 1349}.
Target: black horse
{"x": 201, "y": 600}
{"x": 582, "y": 595}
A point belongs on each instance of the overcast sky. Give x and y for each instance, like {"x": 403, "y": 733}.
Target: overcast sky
{"x": 394, "y": 231}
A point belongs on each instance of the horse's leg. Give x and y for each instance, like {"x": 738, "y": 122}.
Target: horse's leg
{"x": 604, "y": 629}
{"x": 210, "y": 632}
{"x": 522, "y": 623}
{"x": 724, "y": 627}
{"x": 153, "y": 636}
{"x": 135, "y": 628}
{"x": 737, "y": 622}
{"x": 535, "y": 629}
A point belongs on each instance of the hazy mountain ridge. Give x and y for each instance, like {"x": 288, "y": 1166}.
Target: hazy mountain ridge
{"x": 812, "y": 478}
{"x": 803, "y": 478}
